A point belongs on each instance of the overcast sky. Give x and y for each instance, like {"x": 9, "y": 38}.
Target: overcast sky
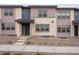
{"x": 40, "y": 2}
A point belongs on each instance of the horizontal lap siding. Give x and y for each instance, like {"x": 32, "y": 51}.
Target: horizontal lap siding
{"x": 6, "y": 19}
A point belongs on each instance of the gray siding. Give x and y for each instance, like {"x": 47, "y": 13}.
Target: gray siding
{"x": 77, "y": 15}
{"x": 26, "y": 14}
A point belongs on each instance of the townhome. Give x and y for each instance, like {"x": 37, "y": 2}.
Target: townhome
{"x": 39, "y": 20}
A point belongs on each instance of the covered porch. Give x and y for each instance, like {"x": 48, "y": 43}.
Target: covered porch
{"x": 76, "y": 27}
{"x": 24, "y": 27}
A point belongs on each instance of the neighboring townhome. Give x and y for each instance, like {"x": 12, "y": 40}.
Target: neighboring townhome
{"x": 39, "y": 20}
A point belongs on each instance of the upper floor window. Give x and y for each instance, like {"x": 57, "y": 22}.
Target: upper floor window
{"x": 42, "y": 13}
{"x": 63, "y": 15}
{"x": 76, "y": 13}
{"x": 8, "y": 12}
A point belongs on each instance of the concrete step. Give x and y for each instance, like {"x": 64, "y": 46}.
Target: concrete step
{"x": 18, "y": 43}
{"x": 24, "y": 37}
{"x": 21, "y": 40}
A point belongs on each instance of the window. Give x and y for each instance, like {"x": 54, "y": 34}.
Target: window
{"x": 8, "y": 26}
{"x": 63, "y": 15}
{"x": 68, "y": 29}
{"x": 42, "y": 27}
{"x": 3, "y": 27}
{"x": 8, "y": 12}
{"x": 12, "y": 28}
{"x": 63, "y": 29}
{"x": 59, "y": 29}
{"x": 42, "y": 13}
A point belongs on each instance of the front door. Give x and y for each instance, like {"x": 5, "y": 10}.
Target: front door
{"x": 76, "y": 30}
{"x": 25, "y": 29}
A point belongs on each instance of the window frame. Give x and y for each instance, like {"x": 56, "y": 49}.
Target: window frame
{"x": 63, "y": 15}
{"x": 42, "y": 12}
{"x": 64, "y": 29}
{"x": 7, "y": 26}
{"x": 8, "y": 11}
{"x": 42, "y": 28}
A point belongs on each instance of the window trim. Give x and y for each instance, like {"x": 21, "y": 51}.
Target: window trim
{"x": 65, "y": 28}
{"x": 6, "y": 26}
{"x": 63, "y": 15}
{"x": 8, "y": 12}
{"x": 43, "y": 28}
{"x": 42, "y": 13}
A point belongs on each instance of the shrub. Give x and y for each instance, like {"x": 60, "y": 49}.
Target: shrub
{"x": 38, "y": 53}
{"x": 6, "y": 53}
{"x": 28, "y": 42}
{"x": 18, "y": 54}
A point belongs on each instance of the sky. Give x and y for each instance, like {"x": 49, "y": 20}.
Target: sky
{"x": 40, "y": 2}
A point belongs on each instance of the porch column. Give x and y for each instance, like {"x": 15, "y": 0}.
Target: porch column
{"x": 0, "y": 27}
{"x": 18, "y": 29}
{"x": 72, "y": 26}
{"x": 72, "y": 30}
{"x": 32, "y": 29}
{"x": 78, "y": 30}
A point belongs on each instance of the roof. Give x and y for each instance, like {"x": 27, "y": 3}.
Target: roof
{"x": 15, "y": 6}
{"x": 76, "y": 22}
{"x": 43, "y": 6}
{"x": 25, "y": 21}
{"x": 39, "y": 6}
{"x": 66, "y": 8}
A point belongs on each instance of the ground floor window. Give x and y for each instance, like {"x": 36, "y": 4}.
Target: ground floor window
{"x": 8, "y": 26}
{"x": 42, "y": 27}
{"x": 63, "y": 29}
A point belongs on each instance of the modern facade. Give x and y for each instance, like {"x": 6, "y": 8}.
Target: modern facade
{"x": 39, "y": 21}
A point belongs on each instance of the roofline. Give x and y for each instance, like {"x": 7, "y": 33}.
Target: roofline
{"x": 26, "y": 7}
{"x": 9, "y": 6}
{"x": 42, "y": 6}
{"x": 65, "y": 8}
{"x": 38, "y": 6}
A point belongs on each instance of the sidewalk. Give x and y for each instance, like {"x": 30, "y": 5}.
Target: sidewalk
{"x": 45, "y": 49}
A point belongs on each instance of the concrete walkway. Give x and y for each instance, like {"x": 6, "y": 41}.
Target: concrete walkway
{"x": 21, "y": 40}
{"x": 46, "y": 49}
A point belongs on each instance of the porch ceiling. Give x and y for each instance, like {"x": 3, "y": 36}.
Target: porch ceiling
{"x": 76, "y": 22}
{"x": 25, "y": 21}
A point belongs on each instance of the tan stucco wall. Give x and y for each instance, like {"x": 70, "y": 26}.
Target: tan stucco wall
{"x": 18, "y": 13}
{"x": 0, "y": 13}
{"x": 63, "y": 35}
{"x": 0, "y": 20}
{"x": 51, "y": 16}
{"x": 72, "y": 26}
{"x": 18, "y": 29}
{"x": 52, "y": 31}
